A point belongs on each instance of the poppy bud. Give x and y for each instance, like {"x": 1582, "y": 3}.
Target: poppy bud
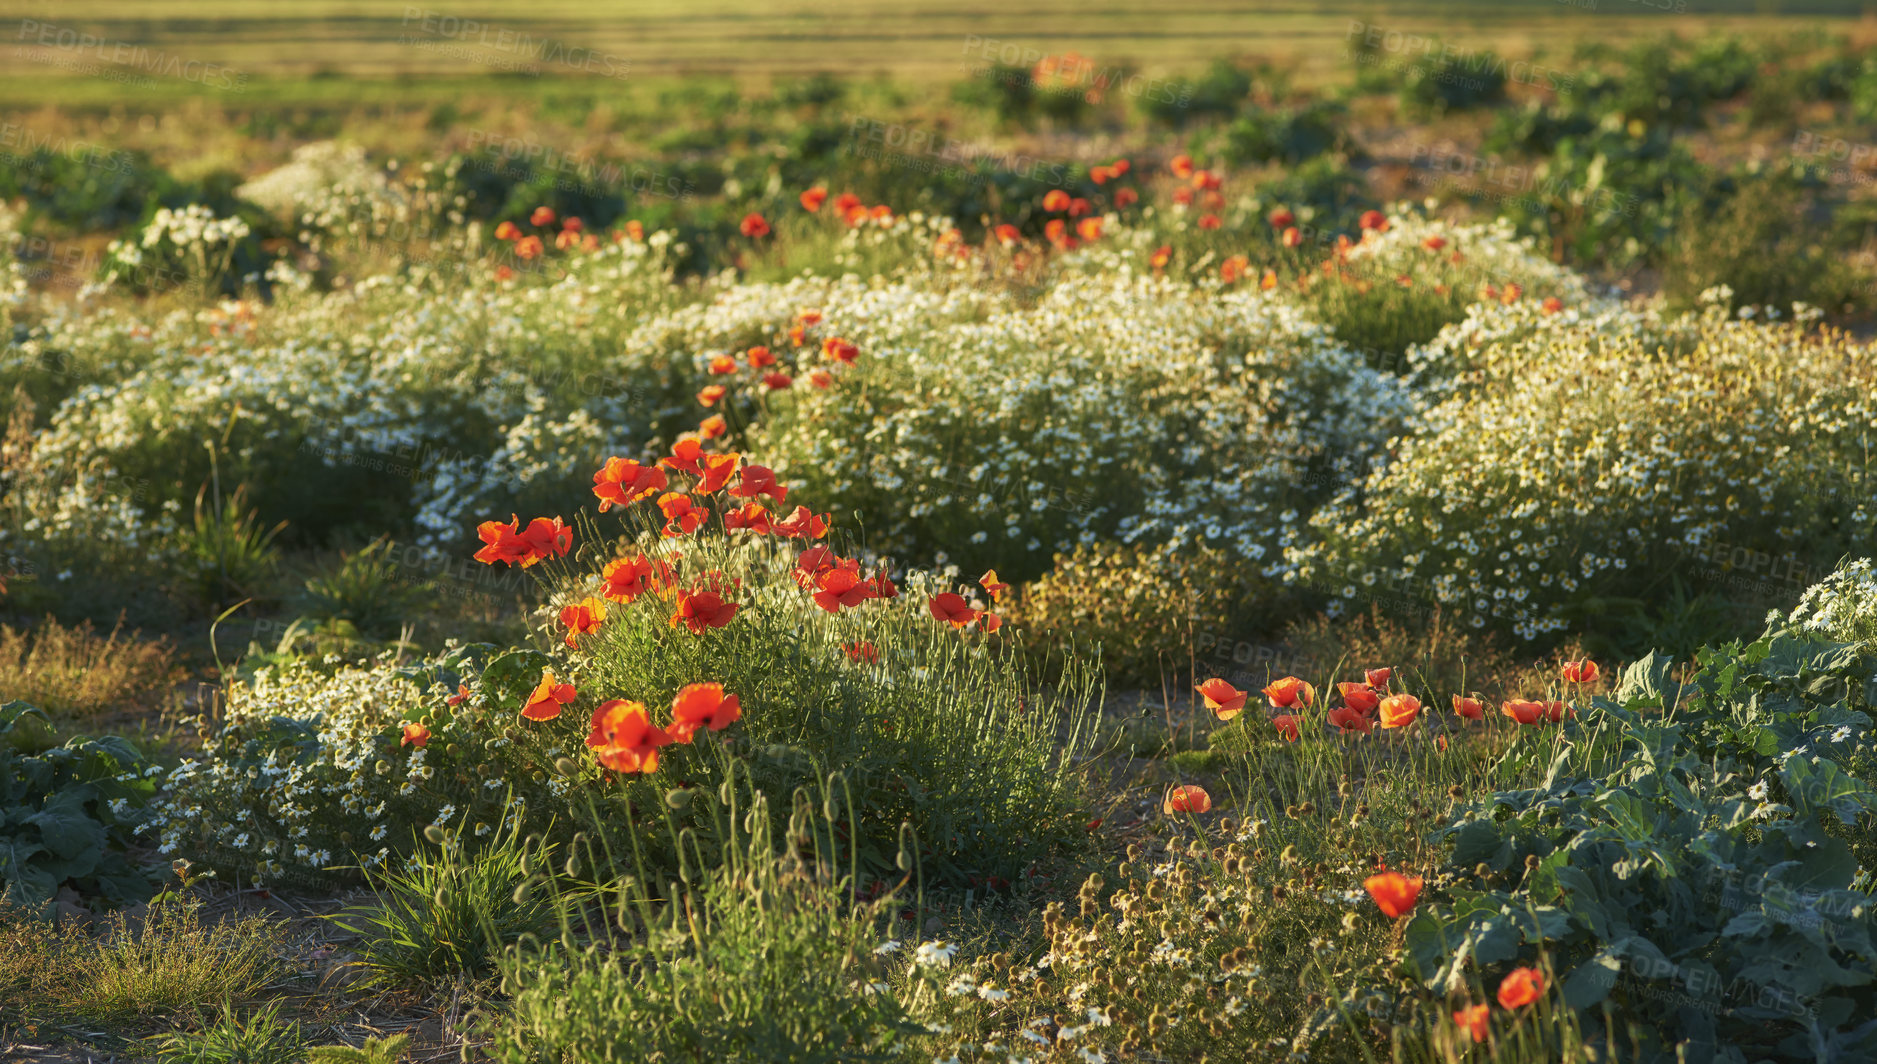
{"x": 382, "y": 768}
{"x": 1289, "y": 855}
{"x": 450, "y": 749}
{"x": 527, "y": 863}
{"x": 441, "y": 897}
{"x": 1531, "y": 862}
{"x": 1482, "y": 870}
{"x": 522, "y": 891}
{"x": 565, "y": 766}
{"x": 434, "y": 834}
{"x": 904, "y": 861}
{"x": 572, "y": 867}
{"x": 678, "y": 797}
{"x": 723, "y": 792}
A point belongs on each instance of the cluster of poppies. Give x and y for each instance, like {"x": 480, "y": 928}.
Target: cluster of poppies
{"x": 622, "y": 734}
{"x": 847, "y": 207}
{"x": 1369, "y": 703}
{"x": 1395, "y": 895}
{"x": 571, "y": 234}
{"x": 954, "y": 609}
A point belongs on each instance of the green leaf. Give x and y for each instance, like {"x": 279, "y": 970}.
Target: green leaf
{"x": 509, "y": 678}
{"x": 65, "y": 827}
{"x": 12, "y": 712}
{"x": 1645, "y": 682}
{"x": 1590, "y": 982}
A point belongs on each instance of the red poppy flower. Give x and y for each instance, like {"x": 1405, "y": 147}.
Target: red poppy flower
{"x": 836, "y": 349}
{"x": 1206, "y": 180}
{"x": 682, "y": 515}
{"x": 1522, "y": 711}
{"x": 542, "y": 216}
{"x": 1209, "y": 221}
{"x": 1055, "y": 229}
{"x": 846, "y": 201}
{"x": 1375, "y": 220}
{"x": 1224, "y": 700}
{"x": 544, "y": 538}
{"x": 623, "y": 481}
{"x": 1581, "y": 671}
{"x": 415, "y": 734}
{"x": 759, "y": 357}
{"x": 1551, "y": 305}
{"x": 1520, "y": 988}
{"x": 1183, "y": 196}
{"x": 842, "y": 587}
{"x": 1187, "y": 799}
{"x": 1268, "y": 281}
{"x": 1079, "y": 206}
{"x": 721, "y": 365}
{"x": 624, "y": 738}
{"x": 1378, "y": 678}
{"x": 572, "y": 225}
{"x": 625, "y": 579}
{"x": 812, "y": 562}
{"x": 501, "y": 542}
{"x": 1350, "y": 719}
{"x": 989, "y": 622}
{"x": 752, "y": 516}
{"x": 548, "y": 698}
{"x": 990, "y": 583}
{"x": 686, "y": 456}
{"x": 582, "y": 617}
{"x": 1006, "y": 234}
{"x": 1359, "y": 697}
{"x": 1089, "y": 229}
{"x": 503, "y": 273}
{"x": 1290, "y": 692}
{"x": 1512, "y": 293}
{"x": 635, "y": 230}
{"x": 821, "y": 378}
{"x": 1469, "y": 708}
{"x": 702, "y": 705}
{"x": 862, "y": 651}
{"x": 713, "y": 427}
{"x": 1161, "y": 256}
{"x": 566, "y": 239}
{"x": 508, "y": 231}
{"x": 1399, "y": 711}
{"x": 1055, "y": 200}
{"x": 1393, "y": 892}
{"x": 1125, "y": 197}
{"x": 883, "y": 587}
{"x": 529, "y": 247}
{"x": 715, "y": 471}
{"x": 1558, "y": 711}
{"x": 702, "y": 609}
{"x": 952, "y": 608}
{"x": 1287, "y": 726}
{"x": 710, "y": 394}
{"x": 759, "y": 480}
{"x": 1475, "y": 1021}
{"x": 1434, "y": 243}
{"x": 802, "y": 524}
{"x": 1281, "y": 218}
{"x": 754, "y": 225}
{"x": 881, "y": 213}
{"x": 1487, "y": 292}
{"x": 775, "y": 382}
{"x": 813, "y": 198}
{"x": 457, "y": 699}
{"x": 1101, "y": 175}
{"x": 1181, "y": 165}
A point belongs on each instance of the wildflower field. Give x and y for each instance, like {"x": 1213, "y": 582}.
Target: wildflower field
{"x": 1351, "y": 555}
